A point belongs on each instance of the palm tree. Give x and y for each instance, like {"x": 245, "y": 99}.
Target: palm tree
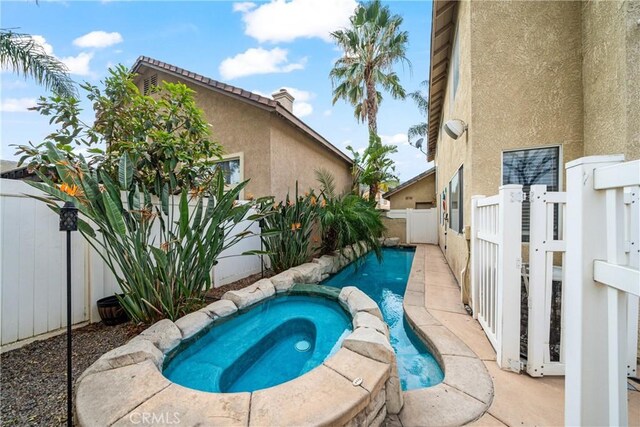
{"x": 421, "y": 98}
{"x": 24, "y": 56}
{"x": 371, "y": 46}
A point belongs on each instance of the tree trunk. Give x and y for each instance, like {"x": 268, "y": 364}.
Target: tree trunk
{"x": 372, "y": 106}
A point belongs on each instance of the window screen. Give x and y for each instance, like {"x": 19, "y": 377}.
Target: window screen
{"x": 532, "y": 167}
{"x": 456, "y": 202}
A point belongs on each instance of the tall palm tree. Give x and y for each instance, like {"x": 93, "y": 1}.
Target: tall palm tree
{"x": 421, "y": 98}
{"x": 371, "y": 45}
{"x": 24, "y": 56}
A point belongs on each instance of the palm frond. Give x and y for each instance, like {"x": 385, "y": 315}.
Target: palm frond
{"x": 21, "y": 54}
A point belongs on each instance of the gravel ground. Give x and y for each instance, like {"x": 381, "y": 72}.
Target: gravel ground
{"x": 33, "y": 379}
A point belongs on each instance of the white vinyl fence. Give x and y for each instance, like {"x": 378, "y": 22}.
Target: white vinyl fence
{"x": 496, "y": 265}
{"x": 421, "y": 224}
{"x": 603, "y": 262}
{"x": 33, "y": 269}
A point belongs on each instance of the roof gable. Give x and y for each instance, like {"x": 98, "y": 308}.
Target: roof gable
{"x": 410, "y": 182}
{"x": 240, "y": 94}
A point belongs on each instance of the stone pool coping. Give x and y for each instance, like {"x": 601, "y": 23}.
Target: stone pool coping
{"x": 358, "y": 385}
{"x": 467, "y": 389}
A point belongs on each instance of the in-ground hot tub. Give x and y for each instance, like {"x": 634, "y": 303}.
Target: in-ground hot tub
{"x": 270, "y": 344}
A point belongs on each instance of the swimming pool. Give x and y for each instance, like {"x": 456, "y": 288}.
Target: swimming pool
{"x": 385, "y": 283}
{"x": 270, "y": 344}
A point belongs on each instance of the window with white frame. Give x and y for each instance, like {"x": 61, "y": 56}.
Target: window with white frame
{"x": 232, "y": 168}
{"x": 536, "y": 166}
{"x": 456, "y": 202}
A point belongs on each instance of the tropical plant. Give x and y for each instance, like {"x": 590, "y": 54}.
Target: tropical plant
{"x": 23, "y": 55}
{"x": 287, "y": 227}
{"x": 421, "y": 99}
{"x": 160, "y": 250}
{"x": 346, "y": 219}
{"x": 371, "y": 45}
{"x": 373, "y": 167}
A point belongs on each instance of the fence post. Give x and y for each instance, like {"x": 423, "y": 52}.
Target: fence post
{"x": 474, "y": 262}
{"x": 509, "y": 276}
{"x": 538, "y": 333}
{"x": 587, "y": 381}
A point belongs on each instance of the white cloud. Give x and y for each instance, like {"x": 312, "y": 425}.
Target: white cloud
{"x": 98, "y": 39}
{"x": 397, "y": 139}
{"x": 259, "y": 61}
{"x": 285, "y": 21}
{"x": 327, "y": 113}
{"x": 14, "y": 84}
{"x": 243, "y": 7}
{"x": 17, "y": 105}
{"x": 79, "y": 64}
{"x": 43, "y": 42}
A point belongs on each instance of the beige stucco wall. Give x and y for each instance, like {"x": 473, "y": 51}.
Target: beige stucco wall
{"x": 395, "y": 227}
{"x": 611, "y": 69}
{"x": 296, "y": 156}
{"x": 423, "y": 191}
{"x": 275, "y": 153}
{"x": 450, "y": 154}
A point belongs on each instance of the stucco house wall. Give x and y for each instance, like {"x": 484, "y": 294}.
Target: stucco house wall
{"x": 274, "y": 152}
{"x": 611, "y": 66}
{"x": 295, "y": 156}
{"x": 531, "y": 75}
{"x": 423, "y": 191}
{"x": 451, "y": 154}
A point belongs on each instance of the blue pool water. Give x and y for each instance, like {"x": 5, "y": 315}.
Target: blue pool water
{"x": 274, "y": 342}
{"x": 385, "y": 283}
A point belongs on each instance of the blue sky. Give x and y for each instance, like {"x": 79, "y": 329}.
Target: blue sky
{"x": 259, "y": 46}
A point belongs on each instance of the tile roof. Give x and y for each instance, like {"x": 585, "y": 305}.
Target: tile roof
{"x": 241, "y": 94}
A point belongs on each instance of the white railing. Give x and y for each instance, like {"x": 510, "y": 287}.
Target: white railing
{"x": 496, "y": 264}
{"x": 602, "y": 274}
{"x": 32, "y": 267}
{"x": 546, "y": 242}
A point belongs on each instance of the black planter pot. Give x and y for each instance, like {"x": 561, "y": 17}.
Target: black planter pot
{"x": 111, "y": 311}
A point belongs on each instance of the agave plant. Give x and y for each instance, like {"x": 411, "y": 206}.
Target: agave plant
{"x": 160, "y": 252}
{"x": 287, "y": 229}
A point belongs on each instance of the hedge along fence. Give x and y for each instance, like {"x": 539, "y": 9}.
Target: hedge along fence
{"x": 33, "y": 272}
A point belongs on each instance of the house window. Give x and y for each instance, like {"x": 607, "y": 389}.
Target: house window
{"x": 455, "y": 70}
{"x": 150, "y": 83}
{"x": 455, "y": 202}
{"x": 540, "y": 166}
{"x": 231, "y": 170}
{"x": 424, "y": 205}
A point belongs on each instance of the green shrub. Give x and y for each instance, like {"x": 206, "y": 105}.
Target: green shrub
{"x": 160, "y": 252}
{"x": 346, "y": 219}
{"x": 287, "y": 227}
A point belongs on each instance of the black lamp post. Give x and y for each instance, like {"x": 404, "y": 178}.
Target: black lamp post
{"x": 69, "y": 223}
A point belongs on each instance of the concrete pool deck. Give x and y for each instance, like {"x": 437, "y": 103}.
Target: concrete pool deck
{"x": 518, "y": 399}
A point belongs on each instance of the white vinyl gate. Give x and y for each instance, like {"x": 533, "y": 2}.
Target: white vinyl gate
{"x": 496, "y": 265}
{"x": 422, "y": 226}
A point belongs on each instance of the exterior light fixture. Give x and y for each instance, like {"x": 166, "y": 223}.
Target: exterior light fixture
{"x": 455, "y": 128}
{"x": 69, "y": 223}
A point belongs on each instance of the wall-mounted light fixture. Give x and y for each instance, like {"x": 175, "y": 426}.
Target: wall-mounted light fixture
{"x": 455, "y": 128}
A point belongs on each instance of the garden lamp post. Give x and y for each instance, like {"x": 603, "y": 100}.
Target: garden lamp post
{"x": 69, "y": 223}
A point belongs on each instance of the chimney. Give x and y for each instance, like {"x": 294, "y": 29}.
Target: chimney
{"x": 285, "y": 99}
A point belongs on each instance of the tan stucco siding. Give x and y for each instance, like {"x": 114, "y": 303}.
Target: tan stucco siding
{"x": 296, "y": 156}
{"x": 611, "y": 69}
{"x": 423, "y": 191}
{"x": 451, "y": 154}
{"x": 395, "y": 227}
{"x": 240, "y": 128}
{"x": 527, "y": 82}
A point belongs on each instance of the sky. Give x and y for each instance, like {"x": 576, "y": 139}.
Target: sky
{"x": 259, "y": 46}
